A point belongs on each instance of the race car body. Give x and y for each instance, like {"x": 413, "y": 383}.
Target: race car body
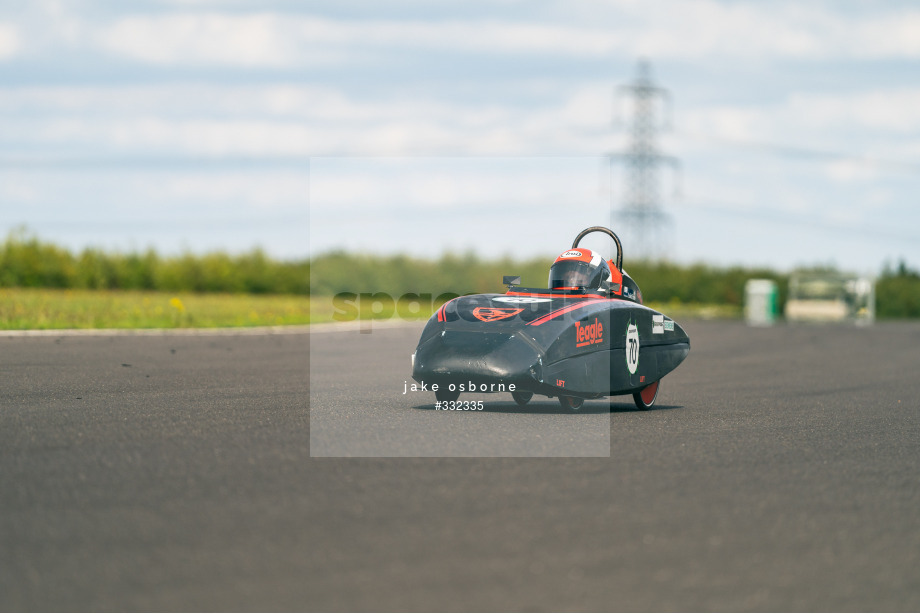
{"x": 567, "y": 341}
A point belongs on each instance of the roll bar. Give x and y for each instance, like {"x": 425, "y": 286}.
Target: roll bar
{"x": 608, "y": 232}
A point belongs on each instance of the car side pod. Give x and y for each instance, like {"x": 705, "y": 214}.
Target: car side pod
{"x": 569, "y": 347}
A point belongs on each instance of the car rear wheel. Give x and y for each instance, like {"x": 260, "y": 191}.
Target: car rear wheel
{"x": 522, "y": 397}
{"x": 571, "y": 404}
{"x": 646, "y": 397}
{"x": 447, "y": 395}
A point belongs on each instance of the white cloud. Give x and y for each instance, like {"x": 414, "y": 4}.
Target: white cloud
{"x": 693, "y": 30}
{"x": 349, "y": 185}
{"x": 296, "y": 120}
{"x": 890, "y": 36}
{"x": 272, "y": 40}
{"x": 16, "y": 187}
{"x": 9, "y": 41}
{"x": 698, "y": 29}
{"x": 209, "y": 38}
{"x": 881, "y": 125}
{"x": 893, "y": 110}
{"x": 265, "y": 191}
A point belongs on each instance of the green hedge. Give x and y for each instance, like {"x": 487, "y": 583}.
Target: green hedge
{"x": 897, "y": 293}
{"x": 462, "y": 274}
{"x": 27, "y": 262}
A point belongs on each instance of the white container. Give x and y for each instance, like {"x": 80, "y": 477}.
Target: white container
{"x": 760, "y": 300}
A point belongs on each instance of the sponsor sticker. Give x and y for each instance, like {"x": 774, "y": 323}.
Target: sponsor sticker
{"x": 660, "y": 324}
{"x": 632, "y": 348}
{"x": 571, "y": 254}
{"x": 492, "y": 314}
{"x": 588, "y": 334}
{"x": 520, "y": 300}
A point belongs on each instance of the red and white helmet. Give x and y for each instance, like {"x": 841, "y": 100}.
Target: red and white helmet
{"x": 580, "y": 268}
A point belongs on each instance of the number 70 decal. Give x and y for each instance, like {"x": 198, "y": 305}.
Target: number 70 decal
{"x": 632, "y": 348}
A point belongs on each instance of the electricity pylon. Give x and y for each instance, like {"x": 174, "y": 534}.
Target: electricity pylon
{"x": 641, "y": 215}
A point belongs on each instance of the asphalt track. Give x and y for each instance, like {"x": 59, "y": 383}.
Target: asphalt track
{"x": 166, "y": 472}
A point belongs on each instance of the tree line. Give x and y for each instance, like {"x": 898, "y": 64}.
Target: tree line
{"x": 27, "y": 262}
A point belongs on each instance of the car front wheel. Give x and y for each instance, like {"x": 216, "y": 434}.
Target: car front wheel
{"x": 522, "y": 397}
{"x": 447, "y": 395}
{"x": 571, "y": 404}
{"x": 646, "y": 397}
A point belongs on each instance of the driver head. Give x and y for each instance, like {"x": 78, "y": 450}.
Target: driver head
{"x": 579, "y": 268}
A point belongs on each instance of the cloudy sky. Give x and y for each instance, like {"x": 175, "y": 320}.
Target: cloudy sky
{"x": 430, "y": 126}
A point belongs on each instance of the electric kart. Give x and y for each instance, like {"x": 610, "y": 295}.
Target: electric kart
{"x": 586, "y": 336}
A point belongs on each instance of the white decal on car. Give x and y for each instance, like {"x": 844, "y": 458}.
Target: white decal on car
{"x": 519, "y": 300}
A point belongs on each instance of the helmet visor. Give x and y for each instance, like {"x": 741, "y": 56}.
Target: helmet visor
{"x": 577, "y": 274}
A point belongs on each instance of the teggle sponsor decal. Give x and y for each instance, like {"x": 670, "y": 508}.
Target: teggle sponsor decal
{"x": 491, "y": 314}
{"x": 588, "y": 334}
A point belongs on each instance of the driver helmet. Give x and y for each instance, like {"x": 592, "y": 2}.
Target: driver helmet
{"x": 580, "y": 268}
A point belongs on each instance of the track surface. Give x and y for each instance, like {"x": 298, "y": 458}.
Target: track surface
{"x": 782, "y": 475}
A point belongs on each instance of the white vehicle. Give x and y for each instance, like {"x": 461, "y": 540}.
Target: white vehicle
{"x": 830, "y": 297}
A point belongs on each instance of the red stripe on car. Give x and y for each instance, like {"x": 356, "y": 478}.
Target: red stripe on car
{"x": 564, "y": 310}
{"x": 564, "y": 296}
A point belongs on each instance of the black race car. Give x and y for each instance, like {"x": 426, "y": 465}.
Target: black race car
{"x": 586, "y": 336}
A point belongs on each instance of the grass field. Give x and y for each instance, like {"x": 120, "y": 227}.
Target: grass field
{"x": 34, "y": 309}
{"x": 54, "y": 309}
